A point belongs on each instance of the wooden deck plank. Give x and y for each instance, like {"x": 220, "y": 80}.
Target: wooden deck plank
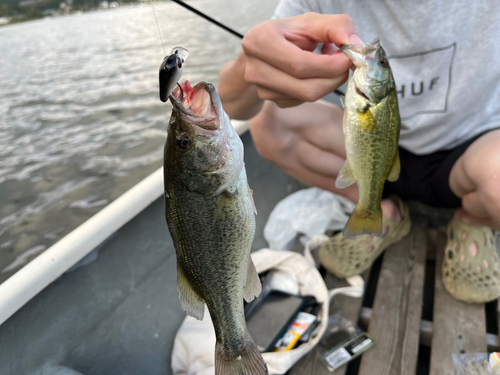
{"x": 350, "y": 308}
{"x": 458, "y": 327}
{"x": 426, "y": 331}
{"x": 395, "y": 320}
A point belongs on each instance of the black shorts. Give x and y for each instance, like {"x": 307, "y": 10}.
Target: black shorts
{"x": 426, "y": 177}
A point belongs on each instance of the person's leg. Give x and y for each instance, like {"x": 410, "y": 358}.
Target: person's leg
{"x": 307, "y": 142}
{"x": 475, "y": 178}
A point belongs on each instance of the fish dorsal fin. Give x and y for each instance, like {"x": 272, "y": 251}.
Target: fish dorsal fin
{"x": 191, "y": 302}
{"x": 253, "y": 286}
{"x": 345, "y": 177}
{"x": 396, "y": 167}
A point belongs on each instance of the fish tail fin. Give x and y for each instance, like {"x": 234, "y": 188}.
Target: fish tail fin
{"x": 248, "y": 362}
{"x": 363, "y": 221}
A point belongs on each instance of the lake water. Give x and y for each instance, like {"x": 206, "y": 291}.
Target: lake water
{"x": 80, "y": 118}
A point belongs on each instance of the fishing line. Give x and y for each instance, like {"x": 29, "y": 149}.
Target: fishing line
{"x": 197, "y": 12}
{"x": 158, "y": 26}
{"x": 215, "y": 22}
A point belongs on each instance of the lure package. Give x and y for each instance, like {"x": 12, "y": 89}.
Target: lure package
{"x": 477, "y": 363}
{"x": 269, "y": 317}
{"x": 302, "y": 323}
{"x": 302, "y": 327}
{"x": 342, "y": 342}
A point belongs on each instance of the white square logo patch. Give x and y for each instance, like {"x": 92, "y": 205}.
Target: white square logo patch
{"x": 423, "y": 81}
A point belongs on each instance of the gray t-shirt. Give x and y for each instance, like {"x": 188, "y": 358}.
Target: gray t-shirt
{"x": 445, "y": 57}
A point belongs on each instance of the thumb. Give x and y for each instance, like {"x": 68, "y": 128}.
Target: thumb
{"x": 330, "y": 28}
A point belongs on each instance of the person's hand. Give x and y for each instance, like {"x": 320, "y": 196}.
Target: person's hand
{"x": 306, "y": 142}
{"x": 279, "y": 60}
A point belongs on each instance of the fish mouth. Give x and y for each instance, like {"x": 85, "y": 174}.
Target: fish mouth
{"x": 197, "y": 105}
{"x": 365, "y": 56}
{"x": 359, "y": 53}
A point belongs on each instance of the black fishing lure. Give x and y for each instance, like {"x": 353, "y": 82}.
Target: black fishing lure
{"x": 171, "y": 71}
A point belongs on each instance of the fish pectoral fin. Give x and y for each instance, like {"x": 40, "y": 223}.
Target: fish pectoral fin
{"x": 342, "y": 100}
{"x": 345, "y": 177}
{"x": 191, "y": 302}
{"x": 253, "y": 287}
{"x": 344, "y": 121}
{"x": 396, "y": 167}
{"x": 250, "y": 193}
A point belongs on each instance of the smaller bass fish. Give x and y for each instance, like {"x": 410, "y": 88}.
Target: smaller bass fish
{"x": 371, "y": 128}
{"x": 171, "y": 71}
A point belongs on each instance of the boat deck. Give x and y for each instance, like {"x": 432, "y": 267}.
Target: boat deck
{"x": 415, "y": 323}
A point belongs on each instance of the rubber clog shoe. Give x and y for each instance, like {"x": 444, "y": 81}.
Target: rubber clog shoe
{"x": 471, "y": 267}
{"x": 348, "y": 257}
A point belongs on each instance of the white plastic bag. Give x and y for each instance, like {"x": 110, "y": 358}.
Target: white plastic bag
{"x": 193, "y": 352}
{"x": 476, "y": 364}
{"x": 310, "y": 212}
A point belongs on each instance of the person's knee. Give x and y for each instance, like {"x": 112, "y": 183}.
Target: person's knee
{"x": 485, "y": 174}
{"x": 481, "y": 162}
{"x": 489, "y": 194}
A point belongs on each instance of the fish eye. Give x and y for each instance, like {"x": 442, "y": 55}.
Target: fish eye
{"x": 383, "y": 62}
{"x": 179, "y": 64}
{"x": 183, "y": 141}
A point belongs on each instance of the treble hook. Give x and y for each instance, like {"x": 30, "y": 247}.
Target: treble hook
{"x": 182, "y": 92}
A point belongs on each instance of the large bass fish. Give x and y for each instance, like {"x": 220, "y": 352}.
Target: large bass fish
{"x": 371, "y": 128}
{"x": 210, "y": 215}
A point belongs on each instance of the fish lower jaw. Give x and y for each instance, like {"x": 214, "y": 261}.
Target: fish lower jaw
{"x": 362, "y": 94}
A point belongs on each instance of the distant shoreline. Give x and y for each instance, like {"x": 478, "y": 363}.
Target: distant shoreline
{"x": 8, "y": 21}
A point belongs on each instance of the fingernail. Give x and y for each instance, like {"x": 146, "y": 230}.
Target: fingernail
{"x": 354, "y": 39}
